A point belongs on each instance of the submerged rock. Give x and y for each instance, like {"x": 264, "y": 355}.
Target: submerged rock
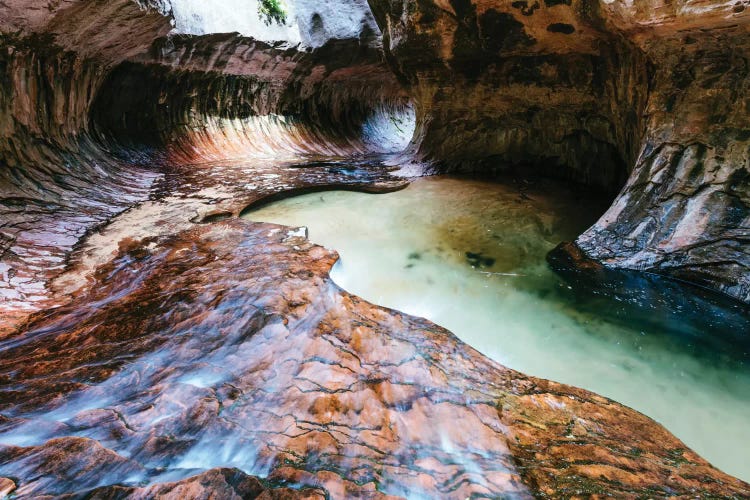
{"x": 479, "y": 260}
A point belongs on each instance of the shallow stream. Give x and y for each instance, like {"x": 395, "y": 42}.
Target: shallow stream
{"x": 470, "y": 256}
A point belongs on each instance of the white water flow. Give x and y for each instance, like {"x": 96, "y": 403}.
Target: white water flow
{"x": 470, "y": 256}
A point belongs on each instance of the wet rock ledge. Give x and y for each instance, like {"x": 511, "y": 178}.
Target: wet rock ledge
{"x": 154, "y": 344}
{"x": 169, "y": 365}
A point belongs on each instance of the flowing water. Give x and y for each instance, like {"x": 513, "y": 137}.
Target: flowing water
{"x": 470, "y": 256}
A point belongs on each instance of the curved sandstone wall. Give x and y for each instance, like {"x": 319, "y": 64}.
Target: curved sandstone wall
{"x": 597, "y": 92}
{"x": 175, "y": 324}
{"x": 57, "y": 182}
{"x": 97, "y": 98}
{"x": 228, "y": 96}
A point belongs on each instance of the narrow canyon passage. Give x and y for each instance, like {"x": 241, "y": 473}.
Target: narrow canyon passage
{"x": 575, "y": 324}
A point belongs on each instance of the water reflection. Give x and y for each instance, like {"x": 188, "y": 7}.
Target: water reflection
{"x": 470, "y": 256}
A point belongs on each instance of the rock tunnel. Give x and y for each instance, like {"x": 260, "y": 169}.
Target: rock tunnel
{"x": 153, "y": 343}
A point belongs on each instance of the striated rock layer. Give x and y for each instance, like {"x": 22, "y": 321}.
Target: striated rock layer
{"x": 91, "y": 119}
{"x": 597, "y": 92}
{"x": 685, "y": 208}
{"x": 223, "y": 96}
{"x": 56, "y": 179}
{"x": 177, "y": 351}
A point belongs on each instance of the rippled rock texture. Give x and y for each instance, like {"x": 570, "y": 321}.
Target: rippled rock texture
{"x": 92, "y": 119}
{"x": 273, "y": 369}
{"x": 153, "y": 344}
{"x": 598, "y": 92}
{"x": 57, "y": 181}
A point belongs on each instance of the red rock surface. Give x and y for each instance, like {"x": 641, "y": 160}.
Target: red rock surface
{"x": 180, "y": 366}
{"x": 178, "y": 351}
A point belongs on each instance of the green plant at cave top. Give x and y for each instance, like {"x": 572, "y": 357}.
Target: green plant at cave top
{"x": 271, "y": 11}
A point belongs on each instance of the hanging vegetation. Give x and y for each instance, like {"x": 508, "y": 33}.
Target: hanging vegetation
{"x": 271, "y": 11}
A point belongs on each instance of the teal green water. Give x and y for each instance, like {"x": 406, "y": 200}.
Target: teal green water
{"x": 470, "y": 256}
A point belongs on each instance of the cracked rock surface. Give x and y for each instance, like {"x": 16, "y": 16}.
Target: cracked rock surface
{"x": 154, "y": 344}
{"x": 169, "y": 366}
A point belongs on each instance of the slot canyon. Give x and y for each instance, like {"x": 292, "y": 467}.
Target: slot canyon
{"x": 374, "y": 249}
